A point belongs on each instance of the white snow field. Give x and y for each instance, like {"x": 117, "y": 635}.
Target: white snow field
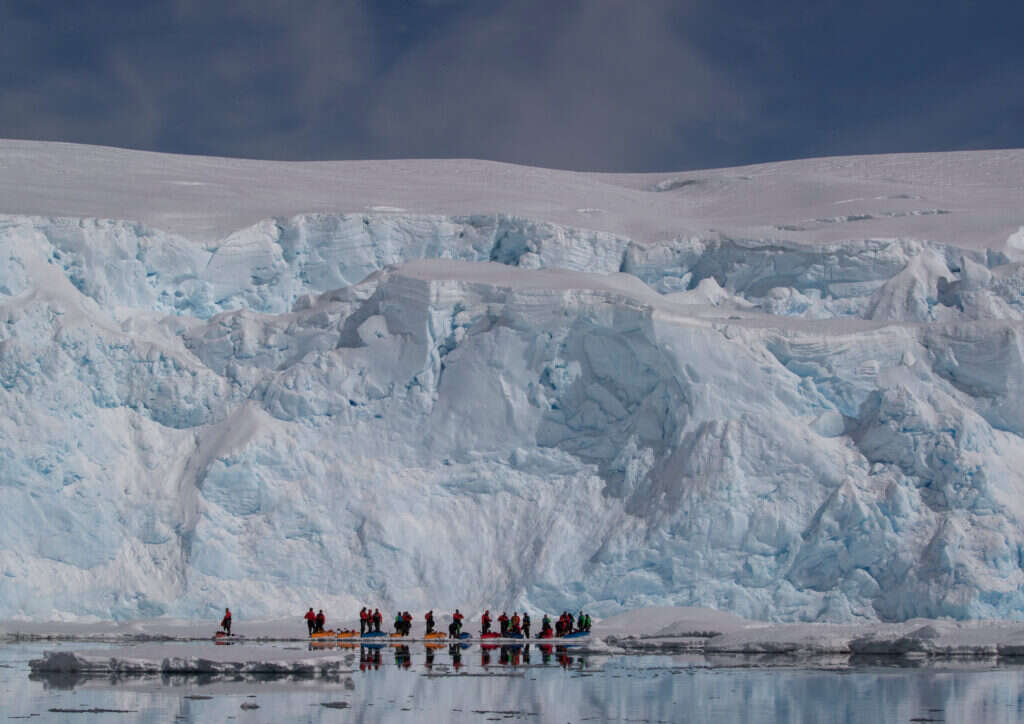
{"x": 788, "y": 391}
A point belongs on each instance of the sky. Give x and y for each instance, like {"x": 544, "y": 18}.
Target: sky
{"x": 598, "y": 85}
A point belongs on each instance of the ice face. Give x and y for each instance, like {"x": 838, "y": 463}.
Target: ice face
{"x": 437, "y": 411}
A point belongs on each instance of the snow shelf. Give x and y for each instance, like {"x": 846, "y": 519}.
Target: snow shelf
{"x": 971, "y": 199}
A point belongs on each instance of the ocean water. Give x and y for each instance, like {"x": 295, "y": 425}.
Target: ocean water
{"x": 472, "y": 683}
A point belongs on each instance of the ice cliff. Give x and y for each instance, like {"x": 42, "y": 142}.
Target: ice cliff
{"x": 438, "y": 410}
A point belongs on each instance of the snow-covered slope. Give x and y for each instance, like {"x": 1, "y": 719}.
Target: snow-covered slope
{"x": 788, "y": 391}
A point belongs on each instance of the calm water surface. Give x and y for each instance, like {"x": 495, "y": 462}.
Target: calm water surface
{"x": 473, "y": 684}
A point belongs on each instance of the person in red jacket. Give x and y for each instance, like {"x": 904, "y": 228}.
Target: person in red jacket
{"x": 457, "y": 620}
{"x": 364, "y": 620}
{"x": 503, "y": 623}
{"x": 310, "y": 620}
{"x": 225, "y": 623}
{"x": 430, "y": 621}
{"x": 320, "y": 621}
{"x": 406, "y": 623}
{"x": 560, "y": 625}
{"x": 485, "y": 622}
{"x": 377, "y": 618}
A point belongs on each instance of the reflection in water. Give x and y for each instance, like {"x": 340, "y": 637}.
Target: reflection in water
{"x": 535, "y": 682}
{"x": 455, "y": 652}
{"x": 369, "y": 657}
{"x": 515, "y": 655}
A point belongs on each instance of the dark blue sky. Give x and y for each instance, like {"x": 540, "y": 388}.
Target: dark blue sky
{"x": 627, "y": 85}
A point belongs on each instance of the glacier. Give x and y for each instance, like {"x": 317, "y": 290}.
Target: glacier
{"x": 433, "y": 407}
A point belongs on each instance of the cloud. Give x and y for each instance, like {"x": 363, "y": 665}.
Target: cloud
{"x": 585, "y": 84}
{"x": 254, "y": 78}
{"x": 600, "y": 85}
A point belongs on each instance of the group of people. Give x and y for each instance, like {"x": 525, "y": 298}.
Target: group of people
{"x": 403, "y": 623}
{"x": 315, "y": 621}
{"x": 564, "y": 623}
{"x": 514, "y": 625}
{"x": 370, "y": 621}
